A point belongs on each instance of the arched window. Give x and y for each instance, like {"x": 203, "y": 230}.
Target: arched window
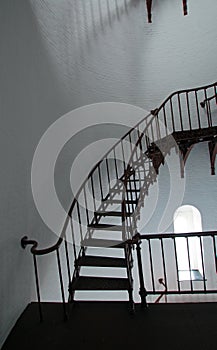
{"x": 187, "y": 218}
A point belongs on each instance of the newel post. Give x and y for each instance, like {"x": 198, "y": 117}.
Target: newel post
{"x": 142, "y": 291}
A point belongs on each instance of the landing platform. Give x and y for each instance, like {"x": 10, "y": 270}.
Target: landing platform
{"x": 108, "y": 325}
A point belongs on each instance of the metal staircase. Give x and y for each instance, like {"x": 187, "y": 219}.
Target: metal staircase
{"x": 118, "y": 184}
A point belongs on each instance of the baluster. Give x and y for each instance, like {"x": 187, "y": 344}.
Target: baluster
{"x": 67, "y": 260}
{"x": 208, "y": 108}
{"x": 151, "y": 264}
{"x": 176, "y": 260}
{"x": 79, "y": 222}
{"x": 189, "y": 263}
{"x": 180, "y": 112}
{"x": 215, "y": 252}
{"x": 172, "y": 113}
{"x": 61, "y": 284}
{"x": 115, "y": 161}
{"x": 202, "y": 261}
{"x": 163, "y": 260}
{"x": 131, "y": 145}
{"x": 108, "y": 174}
{"x": 123, "y": 155}
{"x": 86, "y": 205}
{"x": 142, "y": 291}
{"x": 93, "y": 193}
{"x": 100, "y": 182}
{"x": 152, "y": 132}
{"x": 198, "y": 111}
{"x": 165, "y": 120}
{"x": 188, "y": 108}
{"x": 73, "y": 239}
{"x": 37, "y": 287}
{"x": 209, "y": 113}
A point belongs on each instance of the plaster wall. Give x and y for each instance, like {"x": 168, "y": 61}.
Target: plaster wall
{"x": 59, "y": 55}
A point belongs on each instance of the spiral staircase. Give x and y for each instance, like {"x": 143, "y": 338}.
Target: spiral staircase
{"x": 104, "y": 214}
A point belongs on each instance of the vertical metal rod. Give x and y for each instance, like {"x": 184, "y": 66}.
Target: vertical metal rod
{"x": 73, "y": 239}
{"x": 108, "y": 175}
{"x": 180, "y": 112}
{"x": 189, "y": 263}
{"x": 37, "y": 288}
{"x": 140, "y": 136}
{"x": 210, "y": 114}
{"x": 176, "y": 260}
{"x": 123, "y": 155}
{"x": 93, "y": 192}
{"x": 189, "y": 112}
{"x": 157, "y": 127}
{"x": 163, "y": 260}
{"x": 165, "y": 120}
{"x": 215, "y": 252}
{"x": 116, "y": 168}
{"x": 203, "y": 267}
{"x": 141, "y": 157}
{"x": 67, "y": 260}
{"x": 215, "y": 92}
{"x": 152, "y": 132}
{"x": 61, "y": 284}
{"x": 142, "y": 290}
{"x": 207, "y": 109}
{"x": 172, "y": 114}
{"x": 198, "y": 111}
{"x": 79, "y": 221}
{"x": 100, "y": 181}
{"x": 130, "y": 141}
{"x": 151, "y": 264}
{"x": 86, "y": 206}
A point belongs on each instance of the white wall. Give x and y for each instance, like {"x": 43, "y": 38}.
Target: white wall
{"x": 58, "y": 55}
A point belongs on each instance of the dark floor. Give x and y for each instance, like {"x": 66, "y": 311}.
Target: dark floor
{"x": 109, "y": 325}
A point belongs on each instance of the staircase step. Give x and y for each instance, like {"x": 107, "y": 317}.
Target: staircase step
{"x": 111, "y": 213}
{"x": 119, "y": 201}
{"x": 136, "y": 180}
{"x": 105, "y": 227}
{"x": 100, "y": 283}
{"x": 108, "y": 243}
{"x": 89, "y": 260}
{"x": 128, "y": 190}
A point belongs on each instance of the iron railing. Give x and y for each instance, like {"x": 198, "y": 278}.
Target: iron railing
{"x": 158, "y": 262}
{"x": 126, "y": 169}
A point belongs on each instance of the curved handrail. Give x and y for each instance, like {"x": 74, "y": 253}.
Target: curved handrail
{"x": 25, "y": 241}
{"x": 56, "y": 246}
{"x": 184, "y": 91}
{"x": 155, "y": 113}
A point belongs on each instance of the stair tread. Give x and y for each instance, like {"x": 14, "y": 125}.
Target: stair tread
{"x": 119, "y": 201}
{"x": 100, "y": 283}
{"x": 106, "y": 227}
{"x": 108, "y": 243}
{"x": 101, "y": 261}
{"x": 111, "y": 213}
{"x": 127, "y": 190}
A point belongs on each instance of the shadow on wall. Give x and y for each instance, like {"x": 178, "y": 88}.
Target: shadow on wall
{"x": 31, "y": 99}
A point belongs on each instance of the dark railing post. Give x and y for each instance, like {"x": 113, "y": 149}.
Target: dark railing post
{"x": 142, "y": 291}
{"x": 37, "y": 288}
{"x": 24, "y": 242}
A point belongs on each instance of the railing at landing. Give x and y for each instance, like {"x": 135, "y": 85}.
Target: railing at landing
{"x": 157, "y": 256}
{"x": 183, "y": 110}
